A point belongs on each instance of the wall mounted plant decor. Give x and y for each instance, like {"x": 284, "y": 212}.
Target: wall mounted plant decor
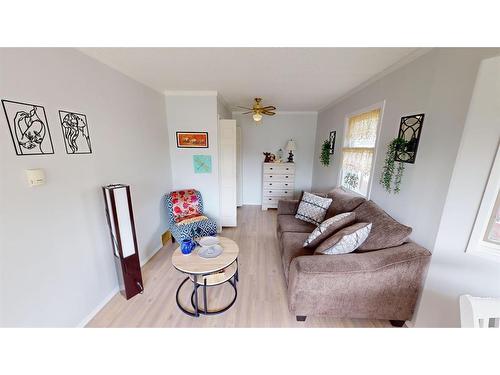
{"x": 28, "y": 127}
{"x": 75, "y": 131}
{"x": 324, "y": 157}
{"x": 333, "y": 136}
{"x": 392, "y": 173}
{"x": 410, "y": 129}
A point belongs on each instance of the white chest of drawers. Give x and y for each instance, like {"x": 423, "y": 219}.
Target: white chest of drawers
{"x": 278, "y": 181}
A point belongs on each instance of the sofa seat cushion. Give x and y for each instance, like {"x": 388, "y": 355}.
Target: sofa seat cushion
{"x": 343, "y": 201}
{"x": 386, "y": 232}
{"x": 292, "y": 244}
{"x": 288, "y": 223}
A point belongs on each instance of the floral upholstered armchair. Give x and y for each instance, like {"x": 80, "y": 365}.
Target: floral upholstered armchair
{"x": 185, "y": 215}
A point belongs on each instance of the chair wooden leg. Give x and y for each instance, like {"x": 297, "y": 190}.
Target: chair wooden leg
{"x": 397, "y": 323}
{"x": 301, "y": 318}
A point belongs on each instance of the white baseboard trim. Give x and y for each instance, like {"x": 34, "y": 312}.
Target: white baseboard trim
{"x": 143, "y": 262}
{"x": 103, "y": 303}
{"x": 98, "y": 308}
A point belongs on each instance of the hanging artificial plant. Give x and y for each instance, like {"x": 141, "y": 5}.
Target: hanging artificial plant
{"x": 324, "y": 157}
{"x": 392, "y": 173}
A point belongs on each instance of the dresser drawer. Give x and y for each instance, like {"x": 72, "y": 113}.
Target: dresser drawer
{"x": 278, "y": 168}
{"x": 277, "y": 177}
{"x": 270, "y": 201}
{"x": 277, "y": 193}
{"x": 278, "y": 185}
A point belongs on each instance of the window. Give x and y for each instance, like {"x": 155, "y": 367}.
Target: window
{"x": 358, "y": 151}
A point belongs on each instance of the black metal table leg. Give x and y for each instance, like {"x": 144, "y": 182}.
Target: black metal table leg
{"x": 237, "y": 275}
{"x": 196, "y": 312}
{"x": 185, "y": 311}
{"x": 194, "y": 295}
{"x": 205, "y": 295}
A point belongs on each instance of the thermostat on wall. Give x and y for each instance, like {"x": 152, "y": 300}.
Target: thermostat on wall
{"x": 35, "y": 177}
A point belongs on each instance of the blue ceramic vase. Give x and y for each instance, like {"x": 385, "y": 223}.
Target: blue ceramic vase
{"x": 187, "y": 246}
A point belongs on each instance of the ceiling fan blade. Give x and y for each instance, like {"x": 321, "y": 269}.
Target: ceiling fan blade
{"x": 246, "y": 113}
{"x": 239, "y": 106}
{"x": 269, "y": 107}
{"x": 268, "y": 113}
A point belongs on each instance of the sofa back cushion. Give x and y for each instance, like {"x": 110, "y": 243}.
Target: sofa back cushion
{"x": 343, "y": 201}
{"x": 386, "y": 232}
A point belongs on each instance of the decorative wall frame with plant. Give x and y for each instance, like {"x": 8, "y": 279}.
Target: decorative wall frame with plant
{"x": 410, "y": 129}
{"x": 328, "y": 148}
{"x": 400, "y": 150}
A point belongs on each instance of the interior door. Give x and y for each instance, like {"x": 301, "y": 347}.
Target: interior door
{"x": 227, "y": 172}
{"x": 239, "y": 175}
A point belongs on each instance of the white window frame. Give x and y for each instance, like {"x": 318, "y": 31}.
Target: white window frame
{"x": 477, "y": 245}
{"x": 381, "y": 106}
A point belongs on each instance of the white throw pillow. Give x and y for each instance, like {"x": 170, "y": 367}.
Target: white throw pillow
{"x": 346, "y": 240}
{"x": 329, "y": 227}
{"x": 312, "y": 208}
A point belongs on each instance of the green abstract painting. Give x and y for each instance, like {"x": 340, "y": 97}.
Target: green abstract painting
{"x": 202, "y": 163}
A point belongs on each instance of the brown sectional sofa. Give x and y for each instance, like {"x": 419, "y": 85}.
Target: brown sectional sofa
{"x": 380, "y": 280}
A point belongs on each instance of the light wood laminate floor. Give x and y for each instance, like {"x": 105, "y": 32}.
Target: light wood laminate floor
{"x": 262, "y": 298}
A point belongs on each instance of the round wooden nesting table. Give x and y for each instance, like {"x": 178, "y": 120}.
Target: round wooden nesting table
{"x": 206, "y": 273}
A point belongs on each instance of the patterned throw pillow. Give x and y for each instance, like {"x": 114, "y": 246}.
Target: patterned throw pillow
{"x": 312, "y": 208}
{"x": 345, "y": 240}
{"x": 328, "y": 227}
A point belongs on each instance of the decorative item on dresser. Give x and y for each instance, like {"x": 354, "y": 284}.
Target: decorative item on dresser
{"x": 278, "y": 181}
{"x": 291, "y": 147}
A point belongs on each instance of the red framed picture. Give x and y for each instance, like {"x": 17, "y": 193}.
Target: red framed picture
{"x": 192, "y": 139}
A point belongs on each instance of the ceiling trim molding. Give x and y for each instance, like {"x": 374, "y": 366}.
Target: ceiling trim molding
{"x": 190, "y": 93}
{"x": 404, "y": 61}
{"x": 223, "y": 101}
{"x": 284, "y": 112}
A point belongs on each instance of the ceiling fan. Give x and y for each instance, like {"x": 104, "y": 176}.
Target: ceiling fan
{"x": 258, "y": 110}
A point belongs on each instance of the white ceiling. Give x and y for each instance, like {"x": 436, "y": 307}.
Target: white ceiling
{"x": 292, "y": 79}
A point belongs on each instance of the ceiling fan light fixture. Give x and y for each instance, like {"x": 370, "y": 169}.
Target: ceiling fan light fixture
{"x": 257, "y": 117}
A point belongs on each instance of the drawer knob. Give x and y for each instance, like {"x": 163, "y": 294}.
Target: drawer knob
{"x": 270, "y": 184}
{"x": 286, "y": 176}
{"x": 270, "y": 176}
{"x": 271, "y": 168}
{"x": 286, "y": 184}
{"x": 286, "y": 192}
{"x": 270, "y": 191}
{"x": 269, "y": 198}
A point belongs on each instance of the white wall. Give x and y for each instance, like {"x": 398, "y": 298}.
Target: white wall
{"x": 438, "y": 84}
{"x": 195, "y": 112}
{"x": 272, "y": 135}
{"x": 454, "y": 272}
{"x": 56, "y": 258}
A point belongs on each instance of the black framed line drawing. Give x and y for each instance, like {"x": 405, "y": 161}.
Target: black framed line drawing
{"x": 28, "y": 128}
{"x": 333, "y": 136}
{"x": 75, "y": 129}
{"x": 410, "y": 129}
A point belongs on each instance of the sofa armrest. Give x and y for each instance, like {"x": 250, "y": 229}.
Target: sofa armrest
{"x": 287, "y": 207}
{"x": 382, "y": 284}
